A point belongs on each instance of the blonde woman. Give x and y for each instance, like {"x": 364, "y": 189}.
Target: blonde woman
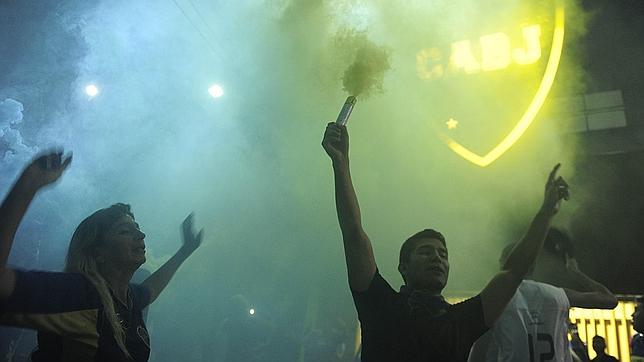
{"x": 90, "y": 312}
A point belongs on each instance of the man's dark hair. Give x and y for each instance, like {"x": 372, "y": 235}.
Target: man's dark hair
{"x": 558, "y": 243}
{"x": 409, "y": 244}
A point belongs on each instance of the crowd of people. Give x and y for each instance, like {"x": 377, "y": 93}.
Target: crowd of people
{"x": 92, "y": 311}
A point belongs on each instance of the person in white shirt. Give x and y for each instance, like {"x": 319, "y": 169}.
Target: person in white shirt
{"x": 534, "y": 325}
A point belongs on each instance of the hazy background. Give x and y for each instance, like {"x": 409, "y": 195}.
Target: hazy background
{"x": 250, "y": 165}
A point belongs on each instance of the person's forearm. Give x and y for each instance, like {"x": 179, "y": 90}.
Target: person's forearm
{"x": 525, "y": 252}
{"x": 361, "y": 264}
{"x": 588, "y": 284}
{"x": 496, "y": 295}
{"x": 157, "y": 282}
{"x": 12, "y": 210}
{"x": 346, "y": 201}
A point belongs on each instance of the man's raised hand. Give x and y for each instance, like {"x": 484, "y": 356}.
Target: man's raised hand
{"x": 336, "y": 142}
{"x": 556, "y": 191}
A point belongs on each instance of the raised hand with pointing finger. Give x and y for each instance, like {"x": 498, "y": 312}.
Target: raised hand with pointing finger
{"x": 557, "y": 189}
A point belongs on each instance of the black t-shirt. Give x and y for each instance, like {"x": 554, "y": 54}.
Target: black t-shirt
{"x": 392, "y": 332}
{"x": 67, "y": 312}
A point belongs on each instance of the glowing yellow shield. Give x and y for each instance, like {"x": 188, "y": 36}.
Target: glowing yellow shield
{"x": 497, "y": 84}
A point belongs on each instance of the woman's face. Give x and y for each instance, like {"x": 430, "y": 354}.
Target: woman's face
{"x": 123, "y": 244}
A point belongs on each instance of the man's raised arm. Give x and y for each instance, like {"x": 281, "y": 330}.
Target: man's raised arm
{"x": 592, "y": 294}
{"x": 502, "y": 287}
{"x": 361, "y": 264}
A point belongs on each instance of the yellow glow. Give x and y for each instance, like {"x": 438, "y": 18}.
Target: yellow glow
{"x": 358, "y": 340}
{"x": 496, "y": 52}
{"x": 532, "y": 51}
{"x": 462, "y": 57}
{"x": 534, "y": 107}
{"x": 614, "y": 325}
{"x": 452, "y": 123}
{"x": 423, "y": 58}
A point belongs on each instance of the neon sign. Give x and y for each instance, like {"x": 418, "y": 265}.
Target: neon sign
{"x": 497, "y": 52}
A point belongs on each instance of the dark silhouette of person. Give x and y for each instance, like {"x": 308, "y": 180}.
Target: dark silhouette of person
{"x": 637, "y": 342}
{"x": 599, "y": 346}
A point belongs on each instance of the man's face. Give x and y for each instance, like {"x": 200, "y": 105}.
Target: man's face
{"x": 427, "y": 266}
{"x": 638, "y": 318}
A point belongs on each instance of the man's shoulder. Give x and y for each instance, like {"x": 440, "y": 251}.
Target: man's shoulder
{"x": 377, "y": 287}
{"x": 377, "y": 300}
{"x": 468, "y": 308}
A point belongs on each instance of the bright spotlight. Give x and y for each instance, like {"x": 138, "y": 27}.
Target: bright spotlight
{"x": 216, "y": 91}
{"x": 91, "y": 90}
{"x": 251, "y": 311}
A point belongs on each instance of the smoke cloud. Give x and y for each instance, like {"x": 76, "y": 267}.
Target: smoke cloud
{"x": 250, "y": 163}
{"x": 12, "y": 144}
{"x": 371, "y": 62}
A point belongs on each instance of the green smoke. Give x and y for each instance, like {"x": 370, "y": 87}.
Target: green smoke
{"x": 250, "y": 164}
{"x": 367, "y": 72}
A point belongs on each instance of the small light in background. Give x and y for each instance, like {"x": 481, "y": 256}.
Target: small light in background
{"x": 216, "y": 91}
{"x": 91, "y": 90}
{"x": 251, "y": 311}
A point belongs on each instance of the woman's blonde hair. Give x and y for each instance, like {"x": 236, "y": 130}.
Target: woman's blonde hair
{"x": 82, "y": 254}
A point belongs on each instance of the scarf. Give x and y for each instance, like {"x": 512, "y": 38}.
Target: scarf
{"x": 422, "y": 301}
